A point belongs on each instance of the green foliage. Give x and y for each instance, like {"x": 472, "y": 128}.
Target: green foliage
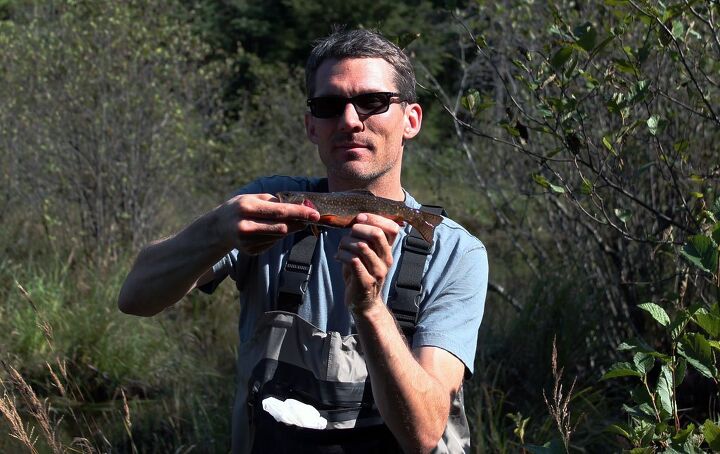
{"x": 576, "y": 140}
{"x": 102, "y": 101}
{"x": 60, "y": 327}
{"x": 605, "y": 117}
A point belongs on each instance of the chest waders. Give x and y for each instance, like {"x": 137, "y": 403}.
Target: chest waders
{"x": 289, "y": 358}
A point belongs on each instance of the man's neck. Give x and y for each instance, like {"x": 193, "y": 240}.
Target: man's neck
{"x": 388, "y": 190}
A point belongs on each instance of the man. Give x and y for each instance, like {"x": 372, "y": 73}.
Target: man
{"x": 361, "y": 91}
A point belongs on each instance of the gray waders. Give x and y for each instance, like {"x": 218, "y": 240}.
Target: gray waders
{"x": 289, "y": 358}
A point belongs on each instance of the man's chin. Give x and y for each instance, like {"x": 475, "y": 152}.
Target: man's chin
{"x": 353, "y": 171}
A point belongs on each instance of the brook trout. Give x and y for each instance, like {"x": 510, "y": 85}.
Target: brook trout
{"x": 339, "y": 209}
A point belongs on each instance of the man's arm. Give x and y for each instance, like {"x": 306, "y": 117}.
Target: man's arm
{"x": 413, "y": 390}
{"x": 165, "y": 271}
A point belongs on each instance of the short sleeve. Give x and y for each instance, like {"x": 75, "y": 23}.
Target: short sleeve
{"x": 221, "y": 270}
{"x": 451, "y": 312}
{"x": 233, "y": 262}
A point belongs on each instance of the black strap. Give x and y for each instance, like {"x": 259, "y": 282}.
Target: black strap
{"x": 295, "y": 275}
{"x": 408, "y": 281}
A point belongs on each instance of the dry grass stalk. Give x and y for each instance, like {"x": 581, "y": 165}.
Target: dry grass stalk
{"x": 127, "y": 422}
{"x": 39, "y": 410}
{"x": 42, "y": 324}
{"x": 17, "y": 429}
{"x": 559, "y": 408}
{"x": 56, "y": 380}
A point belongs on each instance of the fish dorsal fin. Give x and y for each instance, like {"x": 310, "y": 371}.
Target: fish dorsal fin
{"x": 361, "y": 192}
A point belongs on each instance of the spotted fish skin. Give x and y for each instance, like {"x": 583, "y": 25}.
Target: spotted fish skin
{"x": 339, "y": 209}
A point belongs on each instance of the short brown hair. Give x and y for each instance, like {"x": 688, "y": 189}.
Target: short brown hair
{"x": 342, "y": 44}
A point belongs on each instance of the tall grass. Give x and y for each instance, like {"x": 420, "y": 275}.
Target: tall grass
{"x": 80, "y": 376}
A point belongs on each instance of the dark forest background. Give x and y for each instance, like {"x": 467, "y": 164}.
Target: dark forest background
{"x": 577, "y": 140}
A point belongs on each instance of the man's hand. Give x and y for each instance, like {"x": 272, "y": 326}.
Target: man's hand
{"x": 252, "y": 223}
{"x": 366, "y": 254}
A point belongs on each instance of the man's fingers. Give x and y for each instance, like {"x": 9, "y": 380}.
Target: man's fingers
{"x": 377, "y": 239}
{"x": 356, "y": 266}
{"x": 368, "y": 226}
{"x": 266, "y": 206}
{"x": 375, "y": 264}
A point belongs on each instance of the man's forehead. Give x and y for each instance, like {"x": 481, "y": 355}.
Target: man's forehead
{"x": 351, "y": 76}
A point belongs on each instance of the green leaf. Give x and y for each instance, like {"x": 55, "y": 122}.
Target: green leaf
{"x": 677, "y": 327}
{"x": 709, "y": 322}
{"x": 557, "y": 189}
{"x": 619, "y": 429}
{"x": 678, "y": 30}
{"x": 586, "y": 36}
{"x": 561, "y": 57}
{"x": 623, "y": 214}
{"x": 470, "y": 100}
{"x": 626, "y": 67}
{"x": 638, "y": 92}
{"x": 681, "y": 146}
{"x": 683, "y": 434}
{"x": 643, "y": 412}
{"x": 664, "y": 390}
{"x": 680, "y": 371}
{"x": 511, "y": 130}
{"x": 541, "y": 180}
{"x": 696, "y": 349}
{"x": 702, "y": 252}
{"x": 716, "y": 208}
{"x": 638, "y": 344}
{"x": 657, "y": 312}
{"x": 606, "y": 142}
{"x": 622, "y": 369}
{"x": 655, "y": 124}
{"x": 644, "y": 362}
{"x": 711, "y": 432}
{"x": 715, "y": 234}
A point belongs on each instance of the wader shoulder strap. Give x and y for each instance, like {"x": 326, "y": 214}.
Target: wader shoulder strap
{"x": 408, "y": 282}
{"x": 295, "y": 274}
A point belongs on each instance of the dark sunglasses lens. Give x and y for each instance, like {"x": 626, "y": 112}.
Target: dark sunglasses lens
{"x": 372, "y": 103}
{"x": 327, "y": 107}
{"x": 365, "y": 104}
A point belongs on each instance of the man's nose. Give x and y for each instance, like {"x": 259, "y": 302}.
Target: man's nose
{"x": 350, "y": 121}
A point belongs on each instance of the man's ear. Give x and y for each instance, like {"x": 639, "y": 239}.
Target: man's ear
{"x": 413, "y": 120}
{"x": 310, "y": 127}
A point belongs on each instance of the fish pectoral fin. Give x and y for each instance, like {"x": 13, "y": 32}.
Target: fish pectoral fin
{"x": 309, "y": 203}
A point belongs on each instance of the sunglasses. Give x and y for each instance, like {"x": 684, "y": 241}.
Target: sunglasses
{"x": 365, "y": 104}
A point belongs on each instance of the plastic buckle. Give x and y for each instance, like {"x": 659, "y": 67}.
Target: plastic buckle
{"x": 296, "y": 278}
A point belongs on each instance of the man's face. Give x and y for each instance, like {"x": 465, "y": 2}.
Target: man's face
{"x": 357, "y": 149}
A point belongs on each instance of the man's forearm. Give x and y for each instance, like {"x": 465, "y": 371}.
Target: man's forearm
{"x": 167, "y": 270}
{"x": 414, "y": 405}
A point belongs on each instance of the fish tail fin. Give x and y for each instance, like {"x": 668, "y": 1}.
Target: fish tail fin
{"x": 425, "y": 223}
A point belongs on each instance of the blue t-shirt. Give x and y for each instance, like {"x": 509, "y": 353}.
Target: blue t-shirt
{"x": 453, "y": 287}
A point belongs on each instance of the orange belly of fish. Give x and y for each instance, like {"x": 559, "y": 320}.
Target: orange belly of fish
{"x": 335, "y": 220}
